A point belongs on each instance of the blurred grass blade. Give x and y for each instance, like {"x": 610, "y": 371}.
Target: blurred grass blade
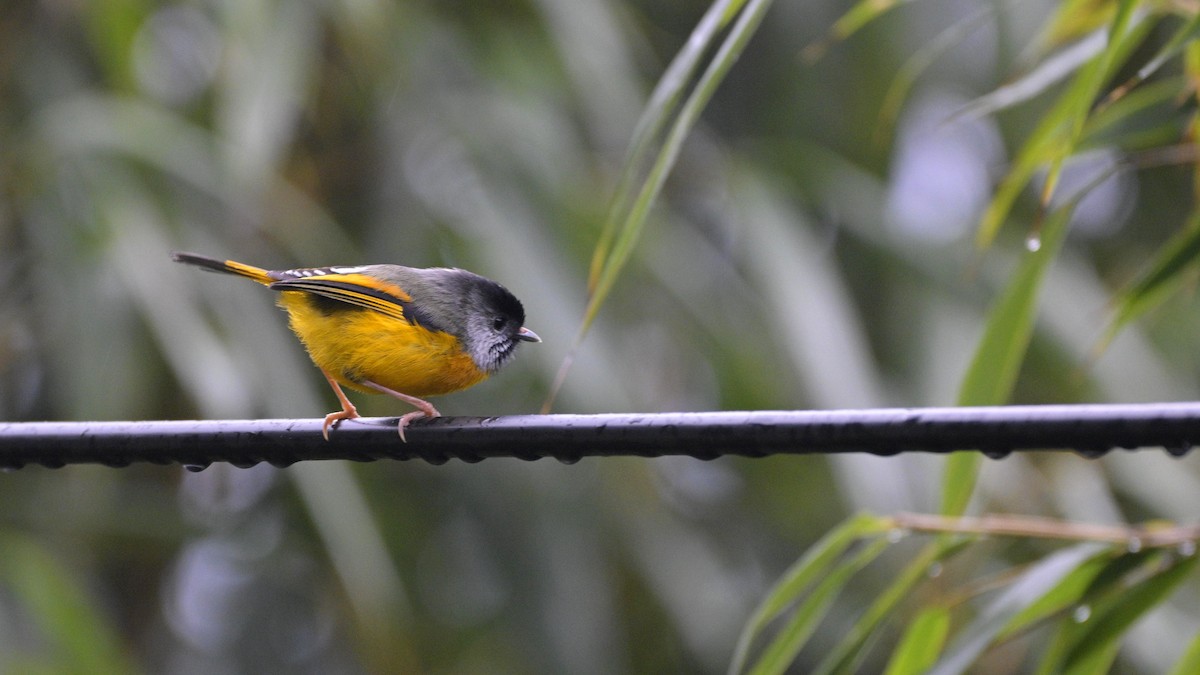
{"x": 918, "y": 63}
{"x": 1040, "y": 580}
{"x": 1074, "y": 18}
{"x": 633, "y": 200}
{"x": 1068, "y": 592}
{"x": 842, "y": 658}
{"x": 662, "y": 104}
{"x": 631, "y": 223}
{"x": 1185, "y": 36}
{"x": 1097, "y": 646}
{"x": 862, "y": 13}
{"x": 1048, "y": 73}
{"x": 993, "y": 371}
{"x": 1091, "y": 80}
{"x": 796, "y": 581}
{"x": 1160, "y": 278}
{"x": 1058, "y": 132}
{"x": 80, "y": 639}
{"x": 1123, "y": 109}
{"x": 1189, "y": 663}
{"x": 922, "y": 642}
{"x": 782, "y": 651}
{"x": 1110, "y": 581}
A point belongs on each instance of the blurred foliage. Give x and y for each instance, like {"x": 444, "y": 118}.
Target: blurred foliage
{"x": 847, "y": 224}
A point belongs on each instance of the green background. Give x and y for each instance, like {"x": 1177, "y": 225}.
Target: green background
{"x": 809, "y": 251}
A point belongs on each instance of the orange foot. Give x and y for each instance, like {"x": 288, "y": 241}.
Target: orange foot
{"x": 348, "y": 411}
{"x": 423, "y": 408}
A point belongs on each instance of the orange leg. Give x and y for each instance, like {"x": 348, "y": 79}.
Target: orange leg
{"x": 423, "y": 408}
{"x": 348, "y": 411}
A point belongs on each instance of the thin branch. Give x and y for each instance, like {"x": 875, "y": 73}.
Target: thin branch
{"x": 1136, "y": 537}
{"x": 1091, "y": 430}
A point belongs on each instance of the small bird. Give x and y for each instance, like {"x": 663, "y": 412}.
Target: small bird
{"x": 389, "y": 329}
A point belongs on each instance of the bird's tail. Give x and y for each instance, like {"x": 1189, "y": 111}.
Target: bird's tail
{"x": 228, "y": 266}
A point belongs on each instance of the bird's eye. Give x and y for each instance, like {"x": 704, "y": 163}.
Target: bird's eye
{"x": 498, "y": 323}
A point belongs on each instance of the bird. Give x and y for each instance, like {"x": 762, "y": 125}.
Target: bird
{"x": 406, "y": 332}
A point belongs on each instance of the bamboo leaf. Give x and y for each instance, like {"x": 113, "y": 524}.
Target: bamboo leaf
{"x": 1098, "y": 644}
{"x": 80, "y": 638}
{"x": 632, "y": 223}
{"x": 1190, "y": 661}
{"x": 1068, "y": 592}
{"x": 1040, "y": 580}
{"x": 1160, "y": 278}
{"x": 1089, "y": 84}
{"x": 1183, "y": 37}
{"x": 1074, "y": 18}
{"x": 1126, "y": 107}
{"x": 841, "y": 659}
{"x": 919, "y": 62}
{"x": 1058, "y": 133}
{"x": 922, "y": 642}
{"x": 632, "y": 201}
{"x": 663, "y": 102}
{"x": 797, "y": 580}
{"x": 782, "y": 651}
{"x": 993, "y": 371}
{"x": 1048, "y": 73}
{"x": 862, "y": 13}
{"x": 1107, "y": 590}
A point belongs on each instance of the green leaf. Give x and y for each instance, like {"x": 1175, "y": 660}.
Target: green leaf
{"x": 1122, "y": 109}
{"x": 1186, "y": 35}
{"x": 1042, "y": 579}
{"x": 1189, "y": 663}
{"x": 1058, "y": 133}
{"x": 993, "y": 371}
{"x": 919, "y": 62}
{"x": 663, "y": 102}
{"x": 1074, "y": 18}
{"x": 632, "y": 200}
{"x": 1106, "y": 583}
{"x": 862, "y": 13}
{"x": 631, "y": 223}
{"x": 1037, "y": 81}
{"x": 81, "y": 639}
{"x": 1068, "y": 592}
{"x": 842, "y": 657}
{"x": 1096, "y": 647}
{"x": 1160, "y": 278}
{"x": 801, "y": 575}
{"x": 782, "y": 651}
{"x": 922, "y": 642}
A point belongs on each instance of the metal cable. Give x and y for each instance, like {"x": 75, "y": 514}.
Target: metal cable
{"x": 1090, "y": 430}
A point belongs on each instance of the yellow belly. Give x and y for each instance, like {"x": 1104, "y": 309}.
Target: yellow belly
{"x": 357, "y": 344}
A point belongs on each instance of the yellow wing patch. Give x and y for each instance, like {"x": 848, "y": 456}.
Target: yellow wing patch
{"x": 353, "y": 288}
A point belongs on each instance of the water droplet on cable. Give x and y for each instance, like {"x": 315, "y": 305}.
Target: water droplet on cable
{"x": 1179, "y": 449}
{"x": 196, "y": 467}
{"x": 1033, "y": 243}
{"x": 996, "y": 453}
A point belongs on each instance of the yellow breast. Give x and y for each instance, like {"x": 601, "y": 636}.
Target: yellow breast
{"x": 354, "y": 344}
